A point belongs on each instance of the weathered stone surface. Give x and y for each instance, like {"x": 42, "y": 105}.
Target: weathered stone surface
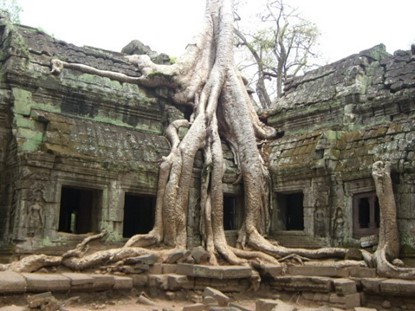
{"x": 270, "y": 271}
{"x": 80, "y": 280}
{"x": 102, "y": 281}
{"x": 273, "y": 305}
{"x": 200, "y": 255}
{"x": 214, "y": 272}
{"x": 371, "y": 285}
{"x": 347, "y": 301}
{"x": 139, "y": 280}
{"x": 122, "y": 282}
{"x": 13, "y": 308}
{"x": 318, "y": 271}
{"x": 344, "y": 287}
{"x": 12, "y": 282}
{"x": 220, "y": 297}
{"x": 177, "y": 282}
{"x": 397, "y": 287}
{"x": 41, "y": 282}
{"x": 302, "y": 283}
{"x": 194, "y": 307}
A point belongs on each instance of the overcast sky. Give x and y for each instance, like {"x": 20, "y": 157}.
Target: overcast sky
{"x": 347, "y": 26}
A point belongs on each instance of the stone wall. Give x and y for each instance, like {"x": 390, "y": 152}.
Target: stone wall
{"x": 102, "y": 139}
{"x": 75, "y": 130}
{"x": 337, "y": 121}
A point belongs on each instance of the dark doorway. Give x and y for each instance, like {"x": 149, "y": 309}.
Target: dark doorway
{"x": 232, "y": 212}
{"x": 79, "y": 210}
{"x": 294, "y": 211}
{"x": 139, "y": 212}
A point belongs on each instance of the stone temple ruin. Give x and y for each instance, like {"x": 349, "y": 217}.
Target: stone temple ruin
{"x": 80, "y": 153}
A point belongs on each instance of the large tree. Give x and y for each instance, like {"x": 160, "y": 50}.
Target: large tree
{"x": 207, "y": 80}
{"x": 282, "y": 45}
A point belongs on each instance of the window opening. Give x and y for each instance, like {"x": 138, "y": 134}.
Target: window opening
{"x": 79, "y": 210}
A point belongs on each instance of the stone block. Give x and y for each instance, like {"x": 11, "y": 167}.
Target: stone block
{"x": 200, "y": 255}
{"x": 214, "y": 272}
{"x": 220, "y": 297}
{"x": 177, "y": 282}
{"x": 158, "y": 281}
{"x": 318, "y": 271}
{"x": 122, "y": 282}
{"x": 270, "y": 271}
{"x": 42, "y": 282}
{"x": 347, "y": 301}
{"x": 344, "y": 287}
{"x": 362, "y": 272}
{"x": 140, "y": 280}
{"x": 397, "y": 287}
{"x": 316, "y": 297}
{"x": 302, "y": 283}
{"x": 13, "y": 308}
{"x": 80, "y": 281}
{"x": 215, "y": 308}
{"x": 194, "y": 307}
{"x": 156, "y": 269}
{"x": 168, "y": 268}
{"x": 12, "y": 282}
{"x": 364, "y": 309}
{"x": 371, "y": 285}
{"x": 238, "y": 306}
{"x": 102, "y": 281}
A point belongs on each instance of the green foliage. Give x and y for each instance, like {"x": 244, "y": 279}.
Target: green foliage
{"x": 13, "y": 8}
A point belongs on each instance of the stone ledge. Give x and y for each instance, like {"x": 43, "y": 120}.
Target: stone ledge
{"x": 43, "y": 282}
{"x": 12, "y": 283}
{"x": 214, "y": 272}
{"x": 303, "y": 283}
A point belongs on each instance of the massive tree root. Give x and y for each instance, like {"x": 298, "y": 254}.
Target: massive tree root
{"x": 206, "y": 78}
{"x": 388, "y": 246}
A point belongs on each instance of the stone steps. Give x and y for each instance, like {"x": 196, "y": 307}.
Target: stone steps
{"x": 338, "y": 287}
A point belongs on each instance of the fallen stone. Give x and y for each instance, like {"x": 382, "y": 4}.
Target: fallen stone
{"x": 143, "y": 299}
{"x": 12, "y": 282}
{"x": 209, "y": 300}
{"x": 200, "y": 255}
{"x": 194, "y": 307}
{"x": 364, "y": 309}
{"x": 220, "y": 297}
{"x": 175, "y": 256}
{"x": 39, "y": 300}
{"x": 148, "y": 259}
{"x": 273, "y": 305}
{"x": 238, "y": 306}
